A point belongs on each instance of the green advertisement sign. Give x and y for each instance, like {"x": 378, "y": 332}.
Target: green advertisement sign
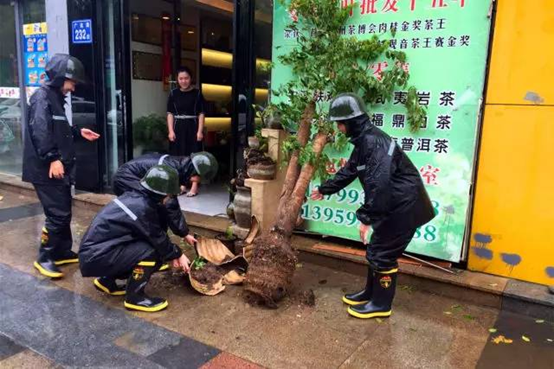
{"x": 446, "y": 42}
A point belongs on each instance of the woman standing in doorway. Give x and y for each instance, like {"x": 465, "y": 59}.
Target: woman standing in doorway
{"x": 185, "y": 121}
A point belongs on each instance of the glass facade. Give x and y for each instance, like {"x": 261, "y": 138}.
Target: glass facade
{"x": 123, "y": 64}
{"x": 10, "y": 103}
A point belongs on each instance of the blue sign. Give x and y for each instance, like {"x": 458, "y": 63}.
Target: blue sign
{"x": 81, "y": 31}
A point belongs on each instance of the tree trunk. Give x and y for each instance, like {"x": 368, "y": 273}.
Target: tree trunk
{"x": 287, "y": 219}
{"x": 293, "y": 169}
{"x": 273, "y": 262}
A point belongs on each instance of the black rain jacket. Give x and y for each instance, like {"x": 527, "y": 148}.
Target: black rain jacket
{"x": 395, "y": 197}
{"x": 48, "y": 136}
{"x": 132, "y": 217}
{"x": 128, "y": 176}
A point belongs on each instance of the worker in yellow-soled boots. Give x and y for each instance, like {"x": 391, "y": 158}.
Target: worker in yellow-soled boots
{"x": 127, "y": 240}
{"x": 396, "y": 203}
{"x": 49, "y": 160}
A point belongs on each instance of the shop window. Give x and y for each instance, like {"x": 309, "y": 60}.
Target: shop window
{"x": 10, "y": 104}
{"x": 263, "y": 36}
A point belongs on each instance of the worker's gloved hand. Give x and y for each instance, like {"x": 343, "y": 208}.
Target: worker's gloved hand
{"x": 182, "y": 263}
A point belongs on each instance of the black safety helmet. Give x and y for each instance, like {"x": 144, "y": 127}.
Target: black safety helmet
{"x": 161, "y": 180}
{"x": 205, "y": 165}
{"x": 75, "y": 70}
{"x": 346, "y": 106}
{"x": 63, "y": 66}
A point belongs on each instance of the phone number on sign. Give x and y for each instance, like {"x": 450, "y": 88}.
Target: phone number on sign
{"x": 329, "y": 215}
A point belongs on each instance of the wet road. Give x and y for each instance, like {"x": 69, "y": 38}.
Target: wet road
{"x": 67, "y": 323}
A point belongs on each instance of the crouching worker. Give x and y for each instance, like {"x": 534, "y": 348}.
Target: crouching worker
{"x": 128, "y": 177}
{"x": 126, "y": 240}
{"x": 396, "y": 203}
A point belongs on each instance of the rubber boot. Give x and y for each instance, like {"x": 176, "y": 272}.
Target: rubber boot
{"x": 67, "y": 257}
{"x": 362, "y": 296}
{"x": 45, "y": 263}
{"x": 136, "y": 298}
{"x": 63, "y": 242}
{"x": 380, "y": 306}
{"x": 109, "y": 285}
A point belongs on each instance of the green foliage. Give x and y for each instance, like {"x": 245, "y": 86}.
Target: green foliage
{"x": 198, "y": 263}
{"x": 229, "y": 233}
{"x": 325, "y": 62}
{"x": 150, "y": 132}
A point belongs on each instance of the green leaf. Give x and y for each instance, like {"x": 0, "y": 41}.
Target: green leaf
{"x": 469, "y": 317}
{"x": 526, "y": 339}
{"x": 492, "y": 330}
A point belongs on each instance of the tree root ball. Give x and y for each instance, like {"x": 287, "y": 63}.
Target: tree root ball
{"x": 270, "y": 271}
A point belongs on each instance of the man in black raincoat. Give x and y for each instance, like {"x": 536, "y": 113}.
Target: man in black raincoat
{"x": 49, "y": 160}
{"x": 396, "y": 203}
{"x": 126, "y": 240}
{"x": 128, "y": 176}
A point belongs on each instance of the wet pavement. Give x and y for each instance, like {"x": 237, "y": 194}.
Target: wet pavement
{"x": 68, "y": 323}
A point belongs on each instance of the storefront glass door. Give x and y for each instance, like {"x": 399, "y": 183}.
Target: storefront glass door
{"x": 115, "y": 67}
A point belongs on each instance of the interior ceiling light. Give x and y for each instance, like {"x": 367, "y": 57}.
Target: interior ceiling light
{"x": 220, "y": 59}
{"x": 219, "y": 4}
{"x": 190, "y": 32}
{"x": 165, "y": 17}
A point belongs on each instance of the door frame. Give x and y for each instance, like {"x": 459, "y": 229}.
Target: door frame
{"x": 123, "y": 68}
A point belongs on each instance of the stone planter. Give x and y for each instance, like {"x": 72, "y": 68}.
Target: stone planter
{"x": 253, "y": 142}
{"x": 243, "y": 207}
{"x": 273, "y": 122}
{"x": 262, "y": 171}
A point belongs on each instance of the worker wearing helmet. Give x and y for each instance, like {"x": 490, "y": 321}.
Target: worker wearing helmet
{"x": 126, "y": 240}
{"x": 49, "y": 160}
{"x": 128, "y": 177}
{"x": 396, "y": 203}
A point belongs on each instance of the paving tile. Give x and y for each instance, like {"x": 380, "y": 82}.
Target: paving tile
{"x": 27, "y": 359}
{"x": 228, "y": 361}
{"x": 8, "y": 347}
{"x": 146, "y": 342}
{"x": 187, "y": 353}
{"x": 20, "y": 212}
{"x": 74, "y": 330}
{"x": 537, "y": 353}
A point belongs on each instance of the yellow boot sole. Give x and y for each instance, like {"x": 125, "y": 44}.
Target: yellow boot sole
{"x": 104, "y": 289}
{"x": 45, "y": 272}
{"x": 352, "y": 302}
{"x": 66, "y": 261}
{"x": 146, "y": 309}
{"x": 380, "y": 314}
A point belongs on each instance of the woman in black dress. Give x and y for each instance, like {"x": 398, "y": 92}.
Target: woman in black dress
{"x": 185, "y": 121}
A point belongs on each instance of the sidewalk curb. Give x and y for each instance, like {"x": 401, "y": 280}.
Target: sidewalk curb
{"x": 483, "y": 289}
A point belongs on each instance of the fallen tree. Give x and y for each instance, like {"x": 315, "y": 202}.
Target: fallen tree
{"x": 324, "y": 63}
